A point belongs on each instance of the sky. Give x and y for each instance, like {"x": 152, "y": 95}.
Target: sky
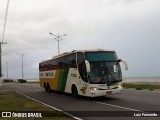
{"x": 130, "y": 27}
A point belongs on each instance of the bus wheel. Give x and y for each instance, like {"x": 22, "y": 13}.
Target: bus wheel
{"x": 74, "y": 92}
{"x": 48, "y": 88}
{"x": 45, "y": 87}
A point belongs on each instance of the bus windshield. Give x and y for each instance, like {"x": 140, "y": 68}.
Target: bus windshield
{"x": 105, "y": 68}
{"x": 101, "y": 56}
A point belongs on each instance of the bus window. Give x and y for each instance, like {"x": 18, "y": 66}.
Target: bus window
{"x": 72, "y": 61}
{"x": 59, "y": 61}
{"x": 54, "y": 64}
{"x": 66, "y": 62}
{"x": 82, "y": 66}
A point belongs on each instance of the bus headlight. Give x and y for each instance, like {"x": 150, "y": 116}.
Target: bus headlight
{"x": 94, "y": 88}
{"x": 120, "y": 86}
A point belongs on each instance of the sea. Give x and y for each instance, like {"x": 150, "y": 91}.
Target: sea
{"x": 125, "y": 79}
{"x": 32, "y": 80}
{"x": 142, "y": 79}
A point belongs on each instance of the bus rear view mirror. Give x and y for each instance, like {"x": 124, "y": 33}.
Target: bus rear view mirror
{"x": 125, "y": 63}
{"x": 87, "y": 66}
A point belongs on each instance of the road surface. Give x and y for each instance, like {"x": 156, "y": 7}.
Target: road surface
{"x": 95, "y": 109}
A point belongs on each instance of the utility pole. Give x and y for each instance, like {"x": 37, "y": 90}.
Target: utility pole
{"x": 22, "y": 55}
{"x": 1, "y": 62}
{"x": 6, "y": 13}
{"x": 58, "y": 38}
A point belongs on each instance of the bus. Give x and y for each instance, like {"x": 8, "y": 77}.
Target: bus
{"x": 91, "y": 73}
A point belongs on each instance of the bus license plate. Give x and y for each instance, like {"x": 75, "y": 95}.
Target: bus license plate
{"x": 109, "y": 92}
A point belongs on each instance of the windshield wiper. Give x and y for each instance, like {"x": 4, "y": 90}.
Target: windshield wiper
{"x": 108, "y": 72}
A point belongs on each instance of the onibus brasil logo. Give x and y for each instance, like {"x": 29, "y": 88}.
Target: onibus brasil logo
{"x": 21, "y": 114}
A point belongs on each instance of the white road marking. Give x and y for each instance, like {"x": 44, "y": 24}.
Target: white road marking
{"x": 118, "y": 106}
{"x": 17, "y": 86}
{"x": 123, "y": 107}
{"x": 37, "y": 90}
{"x": 77, "y": 118}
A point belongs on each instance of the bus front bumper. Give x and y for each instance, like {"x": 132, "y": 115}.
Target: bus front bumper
{"x": 98, "y": 93}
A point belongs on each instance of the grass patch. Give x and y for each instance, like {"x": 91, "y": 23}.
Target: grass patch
{"x": 141, "y": 86}
{"x": 12, "y": 101}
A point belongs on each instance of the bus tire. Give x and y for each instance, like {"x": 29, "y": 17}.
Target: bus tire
{"x": 74, "y": 91}
{"x": 45, "y": 87}
{"x": 48, "y": 88}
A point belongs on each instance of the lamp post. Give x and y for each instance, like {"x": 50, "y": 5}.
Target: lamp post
{"x": 7, "y": 68}
{"x": 58, "y": 38}
{"x": 22, "y": 55}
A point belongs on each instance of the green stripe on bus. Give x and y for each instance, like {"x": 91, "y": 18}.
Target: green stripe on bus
{"x": 62, "y": 80}
{"x": 65, "y": 75}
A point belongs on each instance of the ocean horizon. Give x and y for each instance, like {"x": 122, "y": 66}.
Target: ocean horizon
{"x": 141, "y": 79}
{"x": 125, "y": 79}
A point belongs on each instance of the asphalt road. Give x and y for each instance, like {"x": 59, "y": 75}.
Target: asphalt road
{"x": 95, "y": 109}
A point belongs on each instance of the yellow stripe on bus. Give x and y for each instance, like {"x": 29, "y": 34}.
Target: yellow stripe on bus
{"x": 53, "y": 82}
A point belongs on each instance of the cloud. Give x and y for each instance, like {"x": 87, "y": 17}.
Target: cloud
{"x": 131, "y": 27}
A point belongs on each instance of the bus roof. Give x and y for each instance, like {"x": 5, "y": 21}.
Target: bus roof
{"x": 93, "y": 50}
{"x": 75, "y": 51}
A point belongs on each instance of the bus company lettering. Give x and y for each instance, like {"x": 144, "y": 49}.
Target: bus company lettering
{"x": 49, "y": 74}
{"x": 73, "y": 75}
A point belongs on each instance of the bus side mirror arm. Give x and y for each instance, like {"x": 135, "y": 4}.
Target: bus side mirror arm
{"x": 88, "y": 69}
{"x": 125, "y": 63}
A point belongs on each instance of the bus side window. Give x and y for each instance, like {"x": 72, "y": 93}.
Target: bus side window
{"x": 40, "y": 67}
{"x": 82, "y": 66}
{"x": 66, "y": 62}
{"x": 53, "y": 64}
{"x": 62, "y": 63}
{"x": 72, "y": 61}
{"x": 59, "y": 61}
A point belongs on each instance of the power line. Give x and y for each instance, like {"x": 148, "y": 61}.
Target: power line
{"x": 0, "y": 12}
{"x": 5, "y": 21}
{"x": 11, "y": 21}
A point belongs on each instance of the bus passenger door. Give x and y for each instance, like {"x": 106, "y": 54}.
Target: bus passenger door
{"x": 82, "y": 81}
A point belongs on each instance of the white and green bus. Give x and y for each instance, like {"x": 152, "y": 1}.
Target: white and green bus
{"x": 89, "y": 73}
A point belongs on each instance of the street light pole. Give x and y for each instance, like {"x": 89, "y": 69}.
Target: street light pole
{"x": 58, "y": 38}
{"x": 22, "y": 66}
{"x": 7, "y": 68}
{"x": 58, "y": 43}
{"x": 22, "y": 55}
